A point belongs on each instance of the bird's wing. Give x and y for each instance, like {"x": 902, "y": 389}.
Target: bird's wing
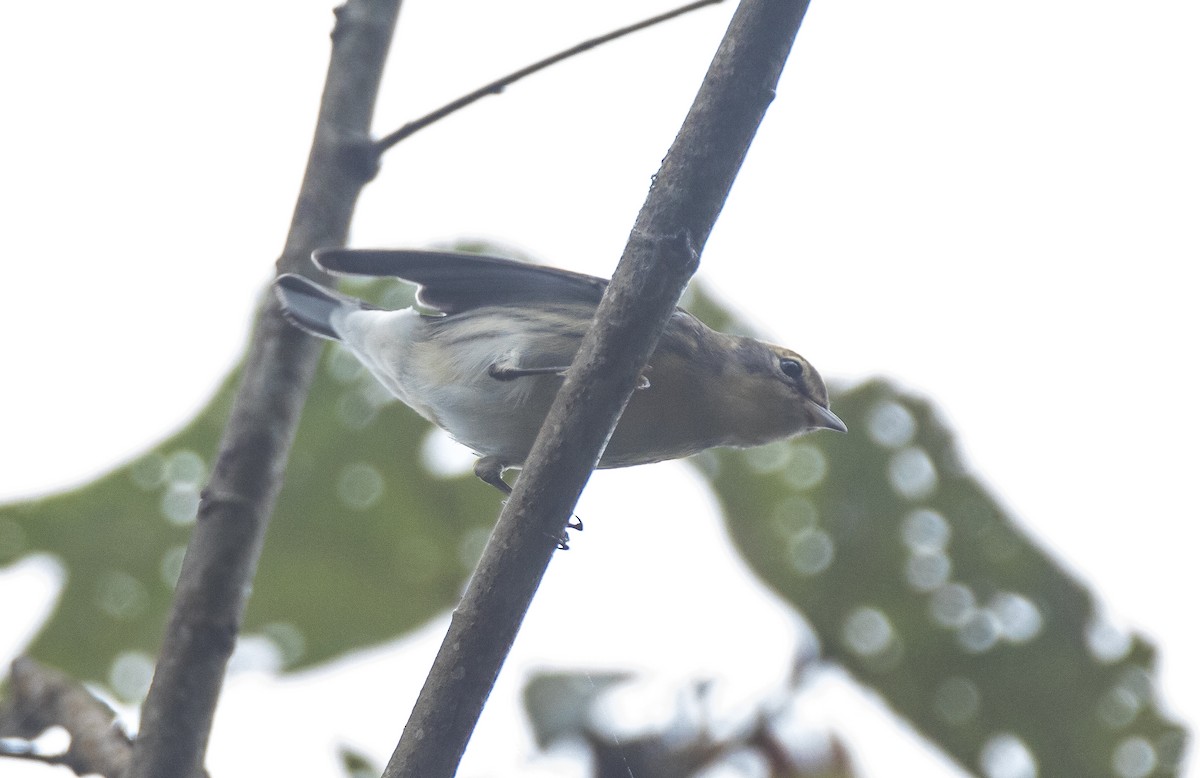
{"x": 454, "y": 282}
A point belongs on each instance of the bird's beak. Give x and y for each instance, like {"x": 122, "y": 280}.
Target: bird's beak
{"x": 825, "y": 418}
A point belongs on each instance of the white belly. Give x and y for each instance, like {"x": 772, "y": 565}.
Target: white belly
{"x": 439, "y": 368}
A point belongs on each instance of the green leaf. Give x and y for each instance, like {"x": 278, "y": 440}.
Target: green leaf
{"x": 563, "y": 706}
{"x": 365, "y": 543}
{"x": 559, "y": 703}
{"x": 356, "y": 764}
{"x": 919, "y": 583}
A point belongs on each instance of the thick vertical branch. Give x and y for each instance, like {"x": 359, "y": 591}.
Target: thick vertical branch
{"x": 662, "y": 253}
{"x": 223, "y": 552}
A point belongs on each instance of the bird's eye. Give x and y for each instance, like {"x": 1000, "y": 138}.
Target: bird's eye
{"x": 792, "y": 369}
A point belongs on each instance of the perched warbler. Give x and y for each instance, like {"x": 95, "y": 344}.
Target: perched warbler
{"x": 487, "y": 361}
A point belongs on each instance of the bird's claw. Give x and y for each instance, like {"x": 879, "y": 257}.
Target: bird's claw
{"x": 564, "y": 539}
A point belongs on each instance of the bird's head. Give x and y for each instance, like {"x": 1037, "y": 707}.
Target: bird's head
{"x": 777, "y": 392}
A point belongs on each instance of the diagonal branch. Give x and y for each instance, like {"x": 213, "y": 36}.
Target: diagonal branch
{"x": 498, "y": 86}
{"x": 41, "y": 698}
{"x": 222, "y": 554}
{"x": 662, "y": 253}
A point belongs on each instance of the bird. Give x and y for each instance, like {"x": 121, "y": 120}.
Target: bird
{"x": 487, "y": 346}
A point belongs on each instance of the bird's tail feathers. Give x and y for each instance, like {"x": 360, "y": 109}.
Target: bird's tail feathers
{"x": 310, "y": 306}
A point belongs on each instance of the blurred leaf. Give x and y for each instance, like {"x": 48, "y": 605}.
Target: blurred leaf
{"x": 365, "y": 544}
{"x": 921, "y": 585}
{"x": 559, "y": 704}
{"x": 356, "y": 764}
{"x": 563, "y": 705}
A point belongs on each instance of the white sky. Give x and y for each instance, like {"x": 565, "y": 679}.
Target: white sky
{"x": 994, "y": 204}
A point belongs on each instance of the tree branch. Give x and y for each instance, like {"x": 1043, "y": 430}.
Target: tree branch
{"x": 222, "y": 554}
{"x": 499, "y": 85}
{"x": 42, "y": 698}
{"x": 661, "y": 255}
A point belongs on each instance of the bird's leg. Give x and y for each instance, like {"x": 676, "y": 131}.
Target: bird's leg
{"x": 502, "y": 371}
{"x": 489, "y": 470}
{"x": 506, "y": 369}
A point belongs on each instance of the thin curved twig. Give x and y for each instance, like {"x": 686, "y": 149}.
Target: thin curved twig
{"x": 498, "y": 86}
